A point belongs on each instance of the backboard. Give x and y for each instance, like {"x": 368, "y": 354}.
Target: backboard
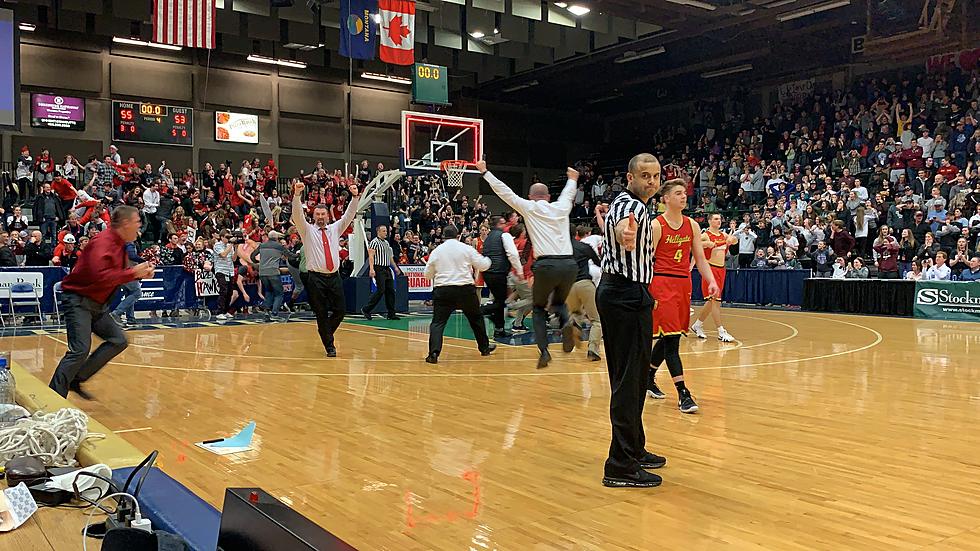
{"x": 428, "y": 139}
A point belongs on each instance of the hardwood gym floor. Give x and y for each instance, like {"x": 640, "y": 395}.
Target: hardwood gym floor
{"x": 815, "y": 432}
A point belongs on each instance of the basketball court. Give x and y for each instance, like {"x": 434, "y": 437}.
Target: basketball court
{"x": 810, "y": 425}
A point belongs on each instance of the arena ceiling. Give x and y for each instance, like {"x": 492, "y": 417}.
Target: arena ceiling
{"x": 531, "y": 52}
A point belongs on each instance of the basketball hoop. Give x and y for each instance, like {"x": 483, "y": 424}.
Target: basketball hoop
{"x": 454, "y": 172}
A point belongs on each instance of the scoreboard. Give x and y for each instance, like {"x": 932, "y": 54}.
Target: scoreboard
{"x": 152, "y": 123}
{"x": 430, "y": 84}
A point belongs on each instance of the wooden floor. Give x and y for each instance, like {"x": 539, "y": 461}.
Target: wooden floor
{"x": 815, "y": 432}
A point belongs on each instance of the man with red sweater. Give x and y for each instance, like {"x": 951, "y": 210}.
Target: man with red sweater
{"x": 101, "y": 269}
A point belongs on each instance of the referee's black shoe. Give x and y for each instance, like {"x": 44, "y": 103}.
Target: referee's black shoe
{"x": 639, "y": 479}
{"x": 366, "y": 314}
{"x": 432, "y": 358}
{"x": 652, "y": 461}
{"x": 544, "y": 360}
{"x": 489, "y": 350}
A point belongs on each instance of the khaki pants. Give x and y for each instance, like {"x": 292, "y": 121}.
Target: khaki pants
{"x": 582, "y": 299}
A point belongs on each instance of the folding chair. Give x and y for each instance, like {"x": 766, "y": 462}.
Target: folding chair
{"x": 57, "y": 303}
{"x": 21, "y": 295}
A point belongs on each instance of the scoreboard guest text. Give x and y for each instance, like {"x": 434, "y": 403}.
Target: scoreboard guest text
{"x": 430, "y": 84}
{"x": 152, "y": 123}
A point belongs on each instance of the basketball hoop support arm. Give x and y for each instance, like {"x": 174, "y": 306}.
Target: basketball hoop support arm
{"x": 372, "y": 193}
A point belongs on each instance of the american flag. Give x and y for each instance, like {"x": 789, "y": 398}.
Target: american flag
{"x": 184, "y": 22}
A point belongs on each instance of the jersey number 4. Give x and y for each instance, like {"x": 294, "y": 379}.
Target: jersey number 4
{"x": 678, "y": 256}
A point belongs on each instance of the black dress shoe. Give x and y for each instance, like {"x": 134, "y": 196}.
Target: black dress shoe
{"x": 393, "y": 317}
{"x": 593, "y": 357}
{"x": 652, "y": 461}
{"x": 502, "y": 334}
{"x": 76, "y": 387}
{"x": 331, "y": 352}
{"x": 489, "y": 349}
{"x": 639, "y": 479}
{"x": 432, "y": 359}
{"x": 366, "y": 314}
{"x": 544, "y": 360}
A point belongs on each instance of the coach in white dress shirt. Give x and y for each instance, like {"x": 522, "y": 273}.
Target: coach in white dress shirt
{"x": 450, "y": 268}
{"x": 321, "y": 245}
{"x": 554, "y": 265}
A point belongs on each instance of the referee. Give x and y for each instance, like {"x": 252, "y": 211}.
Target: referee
{"x": 626, "y": 314}
{"x": 381, "y": 261}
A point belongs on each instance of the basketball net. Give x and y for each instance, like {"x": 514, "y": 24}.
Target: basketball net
{"x": 454, "y": 172}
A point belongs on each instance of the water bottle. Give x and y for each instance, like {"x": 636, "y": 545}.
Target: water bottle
{"x": 7, "y": 384}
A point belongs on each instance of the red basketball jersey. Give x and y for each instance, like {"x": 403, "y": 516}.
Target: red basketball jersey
{"x": 716, "y": 239}
{"x": 673, "y": 256}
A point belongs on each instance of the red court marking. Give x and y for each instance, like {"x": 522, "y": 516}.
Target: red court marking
{"x": 473, "y": 477}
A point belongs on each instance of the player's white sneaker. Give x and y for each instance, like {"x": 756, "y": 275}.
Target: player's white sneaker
{"x": 698, "y": 329}
{"x": 725, "y": 336}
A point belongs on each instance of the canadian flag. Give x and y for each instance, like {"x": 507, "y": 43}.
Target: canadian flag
{"x": 397, "y": 31}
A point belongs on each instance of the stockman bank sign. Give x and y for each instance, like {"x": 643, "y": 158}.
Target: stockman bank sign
{"x": 948, "y": 300}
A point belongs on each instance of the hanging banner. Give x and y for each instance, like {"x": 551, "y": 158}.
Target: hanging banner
{"x": 795, "y": 91}
{"x": 947, "y": 300}
{"x": 967, "y": 60}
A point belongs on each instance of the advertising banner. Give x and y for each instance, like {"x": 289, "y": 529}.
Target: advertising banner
{"x": 236, "y": 127}
{"x": 417, "y": 282}
{"x": 947, "y": 300}
{"x": 64, "y": 112}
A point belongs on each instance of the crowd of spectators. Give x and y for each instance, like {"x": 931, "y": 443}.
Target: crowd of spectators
{"x": 878, "y": 180}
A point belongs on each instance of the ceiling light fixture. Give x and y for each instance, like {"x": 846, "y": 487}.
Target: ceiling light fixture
{"x": 561, "y": 4}
{"x": 27, "y": 27}
{"x": 521, "y": 86}
{"x": 728, "y": 71}
{"x": 779, "y": 3}
{"x": 477, "y": 34}
{"x": 387, "y": 78}
{"x": 144, "y": 43}
{"x": 578, "y": 9}
{"x": 812, "y": 10}
{"x": 633, "y": 56}
{"x": 694, "y": 4}
{"x": 281, "y": 62}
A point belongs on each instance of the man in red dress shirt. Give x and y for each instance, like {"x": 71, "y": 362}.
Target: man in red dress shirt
{"x": 87, "y": 290}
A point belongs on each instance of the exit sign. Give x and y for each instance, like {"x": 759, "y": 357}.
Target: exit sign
{"x": 430, "y": 84}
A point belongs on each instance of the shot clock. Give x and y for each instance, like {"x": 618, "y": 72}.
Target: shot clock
{"x": 152, "y": 123}
{"x": 430, "y": 84}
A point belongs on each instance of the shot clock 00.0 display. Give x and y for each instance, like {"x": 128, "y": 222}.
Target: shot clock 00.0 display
{"x": 152, "y": 123}
{"x": 430, "y": 84}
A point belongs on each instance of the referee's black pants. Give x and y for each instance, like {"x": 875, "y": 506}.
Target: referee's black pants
{"x": 497, "y": 283}
{"x": 384, "y": 287}
{"x": 553, "y": 280}
{"x": 626, "y": 314}
{"x": 447, "y": 299}
{"x": 326, "y": 293}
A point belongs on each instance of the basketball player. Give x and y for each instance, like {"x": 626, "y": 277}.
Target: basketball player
{"x": 554, "y": 266}
{"x": 673, "y": 244}
{"x": 715, "y": 243}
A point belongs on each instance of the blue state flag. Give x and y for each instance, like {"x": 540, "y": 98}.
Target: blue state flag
{"x": 358, "y": 33}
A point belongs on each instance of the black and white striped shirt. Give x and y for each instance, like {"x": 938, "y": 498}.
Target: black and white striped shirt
{"x": 382, "y": 252}
{"x": 636, "y": 265}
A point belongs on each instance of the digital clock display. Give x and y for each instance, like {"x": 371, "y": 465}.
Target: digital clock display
{"x": 430, "y": 84}
{"x": 152, "y": 123}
